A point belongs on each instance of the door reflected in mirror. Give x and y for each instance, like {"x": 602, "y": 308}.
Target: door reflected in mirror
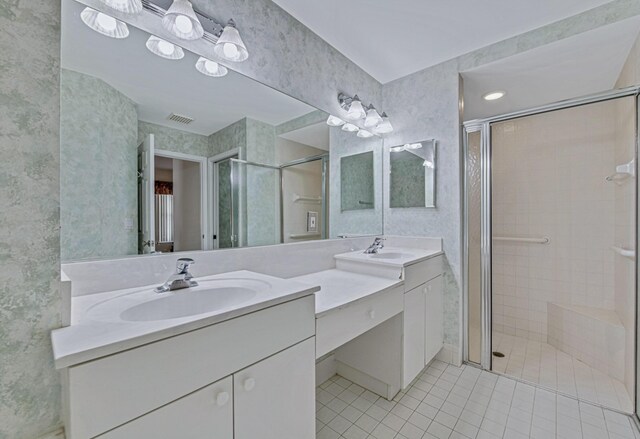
{"x": 412, "y": 180}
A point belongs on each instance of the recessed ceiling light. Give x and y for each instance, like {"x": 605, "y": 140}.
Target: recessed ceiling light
{"x": 494, "y": 95}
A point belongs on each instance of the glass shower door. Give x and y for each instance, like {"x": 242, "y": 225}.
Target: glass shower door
{"x": 226, "y": 205}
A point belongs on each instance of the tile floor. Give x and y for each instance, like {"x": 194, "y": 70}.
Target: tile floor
{"x": 542, "y": 364}
{"x": 461, "y": 403}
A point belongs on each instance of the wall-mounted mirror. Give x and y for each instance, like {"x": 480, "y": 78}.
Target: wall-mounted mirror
{"x": 412, "y": 175}
{"x": 158, "y": 157}
{"x": 357, "y": 182}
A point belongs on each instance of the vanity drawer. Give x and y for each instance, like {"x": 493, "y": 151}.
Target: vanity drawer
{"x": 116, "y": 389}
{"x": 417, "y": 274}
{"x": 344, "y": 324}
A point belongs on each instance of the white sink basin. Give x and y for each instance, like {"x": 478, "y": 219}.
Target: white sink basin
{"x": 389, "y": 255}
{"x": 210, "y": 296}
{"x": 184, "y": 303}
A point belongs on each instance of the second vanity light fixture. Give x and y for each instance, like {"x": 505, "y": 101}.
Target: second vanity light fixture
{"x": 375, "y": 124}
{"x": 180, "y": 21}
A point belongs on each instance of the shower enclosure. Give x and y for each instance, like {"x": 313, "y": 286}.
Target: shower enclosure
{"x": 550, "y": 239}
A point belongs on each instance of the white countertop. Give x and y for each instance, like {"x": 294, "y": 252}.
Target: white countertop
{"x": 400, "y": 257}
{"x": 339, "y": 288}
{"x": 98, "y": 328}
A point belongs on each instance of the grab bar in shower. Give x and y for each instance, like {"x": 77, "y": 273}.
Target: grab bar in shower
{"x": 543, "y": 240}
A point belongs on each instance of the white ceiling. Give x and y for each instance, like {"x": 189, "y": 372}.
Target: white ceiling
{"x": 577, "y": 66}
{"x": 160, "y": 87}
{"x": 390, "y": 39}
{"x": 316, "y": 135}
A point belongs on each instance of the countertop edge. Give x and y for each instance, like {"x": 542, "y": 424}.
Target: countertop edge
{"x": 345, "y": 257}
{"x": 398, "y": 283}
{"x": 73, "y": 359}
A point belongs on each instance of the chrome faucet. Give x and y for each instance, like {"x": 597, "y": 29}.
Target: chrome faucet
{"x": 180, "y": 279}
{"x": 375, "y": 247}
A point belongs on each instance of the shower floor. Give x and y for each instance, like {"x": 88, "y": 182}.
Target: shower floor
{"x": 542, "y": 364}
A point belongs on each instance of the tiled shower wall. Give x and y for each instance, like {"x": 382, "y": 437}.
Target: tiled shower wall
{"x": 549, "y": 175}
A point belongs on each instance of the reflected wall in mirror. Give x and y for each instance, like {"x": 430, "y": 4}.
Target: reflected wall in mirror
{"x": 412, "y": 181}
{"x": 356, "y": 182}
{"x": 157, "y": 157}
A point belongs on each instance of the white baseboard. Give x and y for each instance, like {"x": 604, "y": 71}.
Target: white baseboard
{"x": 326, "y": 367}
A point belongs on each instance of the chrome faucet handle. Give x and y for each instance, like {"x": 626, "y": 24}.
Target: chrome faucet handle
{"x": 183, "y": 265}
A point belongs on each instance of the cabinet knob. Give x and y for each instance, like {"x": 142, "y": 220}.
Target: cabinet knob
{"x": 372, "y": 314}
{"x": 249, "y": 384}
{"x": 222, "y": 398}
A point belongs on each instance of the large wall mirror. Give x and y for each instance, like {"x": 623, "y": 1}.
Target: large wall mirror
{"x": 412, "y": 175}
{"x": 158, "y": 157}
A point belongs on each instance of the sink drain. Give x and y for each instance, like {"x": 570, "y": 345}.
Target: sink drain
{"x": 498, "y": 354}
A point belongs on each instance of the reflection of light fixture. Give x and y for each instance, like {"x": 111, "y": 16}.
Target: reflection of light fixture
{"x": 373, "y": 118}
{"x": 126, "y": 6}
{"x": 230, "y": 46}
{"x": 164, "y": 48}
{"x": 356, "y": 110}
{"x": 350, "y": 128}
{"x": 104, "y": 24}
{"x": 180, "y": 20}
{"x": 428, "y": 164}
{"x": 397, "y": 148}
{"x": 384, "y": 127}
{"x": 494, "y": 95}
{"x": 410, "y": 146}
{"x": 333, "y": 121}
{"x": 210, "y": 68}
{"x": 364, "y": 134}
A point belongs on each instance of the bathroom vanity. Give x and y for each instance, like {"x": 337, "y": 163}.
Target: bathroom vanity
{"x": 236, "y": 355}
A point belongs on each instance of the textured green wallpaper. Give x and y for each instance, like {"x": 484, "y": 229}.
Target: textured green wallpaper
{"x": 98, "y": 182}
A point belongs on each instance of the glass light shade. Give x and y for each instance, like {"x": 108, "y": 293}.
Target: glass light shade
{"x": 373, "y": 118}
{"x": 396, "y": 149}
{"x": 411, "y": 146}
{"x": 385, "y": 126}
{"x": 350, "y": 128}
{"x": 365, "y": 134}
{"x": 356, "y": 110}
{"x": 230, "y": 46}
{"x": 181, "y": 21}
{"x": 164, "y": 48}
{"x": 126, "y": 6}
{"x": 333, "y": 121}
{"x": 104, "y": 24}
{"x": 210, "y": 68}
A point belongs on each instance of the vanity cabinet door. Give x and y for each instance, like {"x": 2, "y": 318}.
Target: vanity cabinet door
{"x": 275, "y": 398}
{"x": 434, "y": 312}
{"x": 206, "y": 413}
{"x": 413, "y": 335}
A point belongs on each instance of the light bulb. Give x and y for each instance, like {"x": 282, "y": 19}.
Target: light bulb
{"x": 166, "y": 47}
{"x": 210, "y": 68}
{"x": 494, "y": 95}
{"x": 350, "y": 128}
{"x": 106, "y": 22}
{"x": 333, "y": 121}
{"x": 183, "y": 24}
{"x": 230, "y": 50}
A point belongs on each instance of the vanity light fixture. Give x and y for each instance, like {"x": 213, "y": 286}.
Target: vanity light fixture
{"x": 350, "y": 128}
{"x": 164, "y": 48}
{"x": 230, "y": 46}
{"x": 364, "y": 134}
{"x": 373, "y": 118}
{"x": 355, "y": 109}
{"x": 397, "y": 148}
{"x": 180, "y": 20}
{"x": 384, "y": 127}
{"x": 104, "y": 24}
{"x": 126, "y": 6}
{"x": 333, "y": 121}
{"x": 494, "y": 95}
{"x": 210, "y": 68}
{"x": 412, "y": 146}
